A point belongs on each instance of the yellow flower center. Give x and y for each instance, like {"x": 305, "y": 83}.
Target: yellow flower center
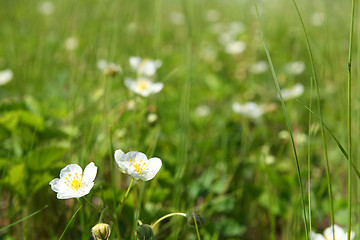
{"x": 138, "y": 165}
{"x": 142, "y": 84}
{"x": 74, "y": 181}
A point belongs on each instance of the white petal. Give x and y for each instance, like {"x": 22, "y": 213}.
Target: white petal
{"x": 237, "y": 107}
{"x": 134, "y": 62}
{"x": 317, "y": 236}
{"x": 70, "y": 169}
{"x": 131, "y": 84}
{"x": 5, "y": 76}
{"x": 119, "y": 159}
{"x": 339, "y": 232}
{"x": 154, "y": 165}
{"x": 89, "y": 173}
{"x": 102, "y": 64}
{"x": 58, "y": 185}
{"x": 156, "y": 87}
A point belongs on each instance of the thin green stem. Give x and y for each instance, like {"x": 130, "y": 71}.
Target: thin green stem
{"x": 167, "y": 216}
{"x": 196, "y": 227}
{"x": 23, "y": 219}
{"x": 321, "y": 119}
{"x": 276, "y": 82}
{"x": 349, "y": 117}
{"x": 67, "y": 226}
{"x": 125, "y": 196}
{"x": 309, "y": 159}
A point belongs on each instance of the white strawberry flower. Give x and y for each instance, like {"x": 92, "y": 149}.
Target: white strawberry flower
{"x": 340, "y": 234}
{"x": 249, "y": 109}
{"x": 144, "y": 67}
{"x": 296, "y": 91}
{"x": 137, "y": 165}
{"x": 143, "y": 86}
{"x": 5, "y": 76}
{"x": 73, "y": 183}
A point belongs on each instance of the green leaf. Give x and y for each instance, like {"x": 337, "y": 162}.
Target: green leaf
{"x": 12, "y": 119}
{"x": 43, "y": 158}
{"x": 230, "y": 228}
{"x": 15, "y": 178}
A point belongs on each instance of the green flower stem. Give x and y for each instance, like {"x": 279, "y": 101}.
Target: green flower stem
{"x": 167, "y": 216}
{"x": 196, "y": 227}
{"x": 73, "y": 216}
{"x": 126, "y": 194}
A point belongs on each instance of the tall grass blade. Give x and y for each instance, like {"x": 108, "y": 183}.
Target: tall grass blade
{"x": 276, "y": 82}
{"x": 349, "y": 117}
{"x": 320, "y": 114}
{"x": 23, "y": 219}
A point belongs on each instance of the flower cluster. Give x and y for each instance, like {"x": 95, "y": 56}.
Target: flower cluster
{"x": 145, "y": 69}
{"x": 73, "y": 183}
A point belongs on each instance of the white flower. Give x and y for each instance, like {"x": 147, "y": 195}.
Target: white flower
{"x": 295, "y": 68}
{"x": 109, "y": 68}
{"x": 212, "y": 15}
{"x": 72, "y": 183}
{"x": 5, "y": 76}
{"x": 46, "y": 8}
{"x": 340, "y": 234}
{"x": 296, "y": 91}
{"x": 146, "y": 67}
{"x": 71, "y": 43}
{"x": 249, "y": 109}
{"x": 152, "y": 117}
{"x": 318, "y": 18}
{"x": 137, "y": 165}
{"x": 177, "y": 18}
{"x": 236, "y": 47}
{"x": 202, "y": 111}
{"x": 259, "y": 67}
{"x": 143, "y": 86}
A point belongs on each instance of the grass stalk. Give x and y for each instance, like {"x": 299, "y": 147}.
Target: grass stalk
{"x": 349, "y": 117}
{"x": 68, "y": 224}
{"x": 320, "y": 114}
{"x": 276, "y": 82}
{"x": 309, "y": 160}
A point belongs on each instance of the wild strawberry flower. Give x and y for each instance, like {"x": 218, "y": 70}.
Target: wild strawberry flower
{"x": 235, "y": 47}
{"x": 295, "y": 68}
{"x": 144, "y": 67}
{"x": 296, "y": 91}
{"x": 72, "y": 182}
{"x": 143, "y": 86}
{"x": 340, "y": 234}
{"x": 249, "y": 109}
{"x": 109, "y": 68}
{"x": 5, "y": 76}
{"x": 137, "y": 165}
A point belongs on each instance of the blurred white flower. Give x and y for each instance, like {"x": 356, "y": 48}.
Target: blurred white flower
{"x": 340, "y": 234}
{"x": 177, "y": 18}
{"x": 71, "y": 43}
{"x": 202, "y": 110}
{"x": 145, "y": 67}
{"x": 152, "y": 117}
{"x": 259, "y": 67}
{"x": 212, "y": 15}
{"x": 236, "y": 47}
{"x": 143, "y": 86}
{"x": 46, "y": 8}
{"x": 318, "y": 18}
{"x": 109, "y": 68}
{"x": 5, "y": 76}
{"x": 72, "y": 183}
{"x": 295, "y": 68}
{"x": 236, "y": 28}
{"x": 289, "y": 93}
{"x": 137, "y": 165}
{"x": 249, "y": 109}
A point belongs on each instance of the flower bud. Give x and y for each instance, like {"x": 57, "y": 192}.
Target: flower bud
{"x": 101, "y": 231}
{"x": 195, "y": 217}
{"x": 144, "y": 232}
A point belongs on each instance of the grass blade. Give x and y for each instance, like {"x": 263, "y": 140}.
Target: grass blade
{"x": 276, "y": 82}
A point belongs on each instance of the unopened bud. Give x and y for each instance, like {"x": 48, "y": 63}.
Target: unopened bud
{"x": 101, "y": 231}
{"x": 195, "y": 217}
{"x": 144, "y": 232}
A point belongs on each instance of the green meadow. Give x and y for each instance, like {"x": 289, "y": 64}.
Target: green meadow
{"x": 252, "y": 106}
